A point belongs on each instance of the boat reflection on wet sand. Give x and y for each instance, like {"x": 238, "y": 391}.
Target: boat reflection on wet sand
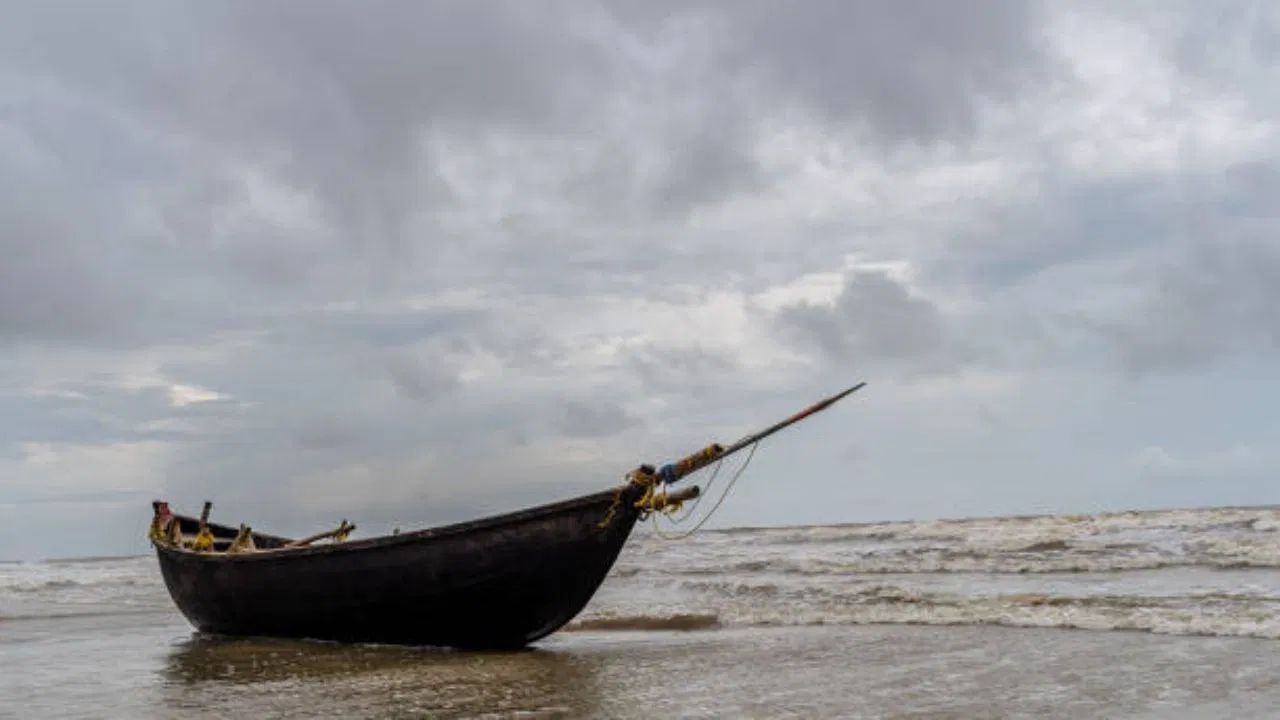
{"x": 275, "y": 677}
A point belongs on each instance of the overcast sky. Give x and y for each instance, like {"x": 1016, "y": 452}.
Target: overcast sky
{"x": 414, "y": 262}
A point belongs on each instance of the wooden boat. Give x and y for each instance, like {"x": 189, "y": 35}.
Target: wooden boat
{"x": 503, "y": 581}
{"x": 498, "y": 582}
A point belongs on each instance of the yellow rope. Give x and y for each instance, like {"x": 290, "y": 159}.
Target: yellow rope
{"x": 697, "y": 461}
{"x": 243, "y": 542}
{"x": 203, "y": 541}
{"x": 635, "y": 477}
{"x": 653, "y": 501}
{"x": 174, "y": 533}
{"x": 344, "y": 532}
{"x": 157, "y": 532}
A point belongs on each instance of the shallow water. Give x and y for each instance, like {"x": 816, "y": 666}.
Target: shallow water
{"x": 1171, "y": 614}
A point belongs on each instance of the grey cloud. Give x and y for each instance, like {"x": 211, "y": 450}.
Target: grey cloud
{"x": 141, "y": 118}
{"x": 339, "y": 104}
{"x": 255, "y": 198}
{"x": 709, "y": 166}
{"x": 26, "y": 419}
{"x": 661, "y": 367}
{"x": 880, "y": 74}
{"x": 680, "y": 170}
{"x": 55, "y": 278}
{"x": 1147, "y": 274}
{"x": 909, "y": 71}
{"x": 874, "y": 319}
{"x": 415, "y": 380}
{"x": 915, "y": 71}
{"x": 1217, "y": 299}
{"x": 1081, "y": 222}
{"x": 1243, "y": 31}
{"x": 91, "y": 414}
{"x": 328, "y": 433}
{"x": 595, "y": 418}
{"x": 388, "y": 328}
{"x": 1250, "y": 191}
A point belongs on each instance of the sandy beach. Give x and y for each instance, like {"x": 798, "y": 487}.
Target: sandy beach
{"x": 95, "y": 667}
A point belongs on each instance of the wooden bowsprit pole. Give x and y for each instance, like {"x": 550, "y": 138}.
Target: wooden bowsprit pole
{"x": 681, "y": 468}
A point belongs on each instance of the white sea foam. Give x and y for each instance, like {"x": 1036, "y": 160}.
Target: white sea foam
{"x": 72, "y": 588}
{"x": 1174, "y": 572}
{"x": 746, "y": 604}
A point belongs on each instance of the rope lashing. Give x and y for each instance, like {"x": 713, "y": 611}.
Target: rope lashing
{"x": 173, "y": 532}
{"x": 203, "y": 541}
{"x": 714, "y": 508}
{"x": 643, "y": 477}
{"x": 651, "y": 499}
{"x": 343, "y": 532}
{"x": 243, "y": 542}
{"x": 159, "y": 531}
{"x": 671, "y": 472}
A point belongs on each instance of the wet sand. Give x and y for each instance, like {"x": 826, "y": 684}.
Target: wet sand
{"x": 151, "y": 665}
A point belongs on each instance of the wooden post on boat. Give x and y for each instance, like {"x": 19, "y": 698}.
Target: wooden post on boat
{"x": 243, "y": 542}
{"x": 339, "y": 534}
{"x": 686, "y": 466}
{"x": 203, "y": 541}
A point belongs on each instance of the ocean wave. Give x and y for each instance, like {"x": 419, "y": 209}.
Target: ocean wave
{"x": 55, "y": 615}
{"x": 1056, "y": 545}
{"x": 1233, "y": 551}
{"x": 94, "y": 559}
{"x": 676, "y": 621}
{"x": 39, "y": 586}
{"x": 1223, "y": 614}
{"x": 1026, "y": 529}
{"x": 1035, "y": 557}
{"x": 955, "y": 564}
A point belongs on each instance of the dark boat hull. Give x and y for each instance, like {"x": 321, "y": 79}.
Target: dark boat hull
{"x": 501, "y": 582}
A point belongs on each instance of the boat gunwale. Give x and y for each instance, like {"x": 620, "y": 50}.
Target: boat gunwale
{"x": 381, "y": 541}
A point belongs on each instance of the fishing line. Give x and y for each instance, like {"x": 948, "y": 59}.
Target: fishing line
{"x": 706, "y": 490}
{"x": 680, "y": 536}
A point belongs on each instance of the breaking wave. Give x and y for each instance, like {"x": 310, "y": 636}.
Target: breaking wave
{"x": 677, "y": 621}
{"x": 65, "y": 615}
{"x": 1214, "y": 614}
{"x": 964, "y": 563}
{"x": 1009, "y": 529}
{"x": 1181, "y": 572}
{"x": 94, "y": 559}
{"x": 79, "y": 588}
{"x": 38, "y": 586}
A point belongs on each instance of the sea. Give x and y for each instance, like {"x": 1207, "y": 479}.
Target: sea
{"x": 1161, "y": 614}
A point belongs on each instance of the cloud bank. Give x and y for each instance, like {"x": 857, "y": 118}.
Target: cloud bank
{"x": 417, "y": 262}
